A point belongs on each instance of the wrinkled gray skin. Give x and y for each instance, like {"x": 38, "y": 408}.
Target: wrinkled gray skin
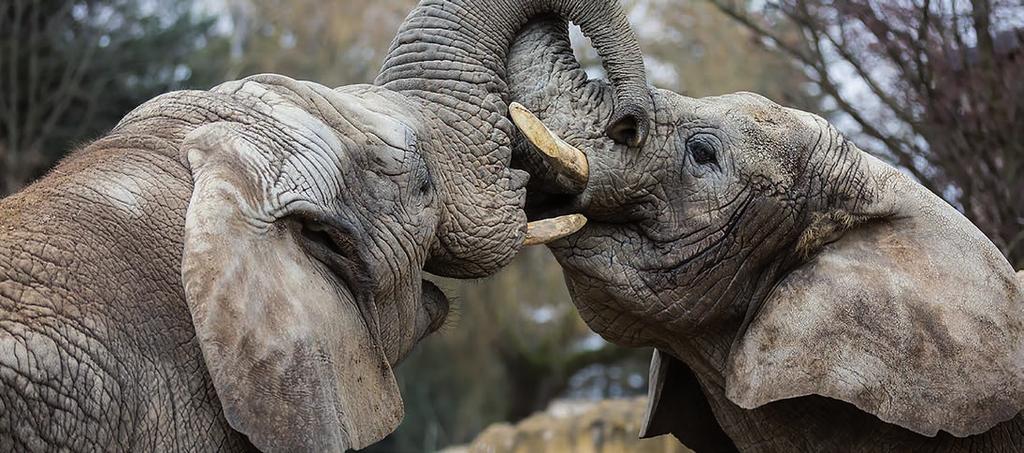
{"x": 242, "y": 267}
{"x": 801, "y": 295}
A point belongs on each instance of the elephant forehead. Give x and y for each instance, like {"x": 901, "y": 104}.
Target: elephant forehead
{"x": 365, "y": 114}
{"x": 768, "y": 140}
{"x": 290, "y": 151}
{"x": 311, "y": 140}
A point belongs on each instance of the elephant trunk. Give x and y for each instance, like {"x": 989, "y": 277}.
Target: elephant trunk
{"x": 451, "y": 56}
{"x": 455, "y": 51}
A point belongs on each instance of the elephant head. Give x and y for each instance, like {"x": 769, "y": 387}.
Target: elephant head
{"x": 307, "y": 229}
{"x": 314, "y": 214}
{"x": 757, "y": 246}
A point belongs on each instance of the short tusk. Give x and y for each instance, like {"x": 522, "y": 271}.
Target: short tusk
{"x": 547, "y": 230}
{"x": 563, "y": 157}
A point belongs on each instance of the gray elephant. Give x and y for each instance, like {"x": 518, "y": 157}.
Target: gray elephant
{"x": 242, "y": 267}
{"x": 801, "y": 294}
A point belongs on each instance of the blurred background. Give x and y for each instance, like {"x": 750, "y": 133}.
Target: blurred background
{"x": 935, "y": 87}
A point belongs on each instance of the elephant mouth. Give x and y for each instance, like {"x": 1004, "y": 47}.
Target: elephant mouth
{"x": 552, "y": 215}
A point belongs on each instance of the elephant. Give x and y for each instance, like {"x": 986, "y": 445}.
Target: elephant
{"x": 799, "y": 293}
{"x": 243, "y": 267}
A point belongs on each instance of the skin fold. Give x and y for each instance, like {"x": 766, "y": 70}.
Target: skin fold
{"x": 242, "y": 267}
{"x": 801, "y": 294}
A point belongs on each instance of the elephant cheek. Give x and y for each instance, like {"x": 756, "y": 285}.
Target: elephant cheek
{"x": 482, "y": 225}
{"x": 427, "y": 314}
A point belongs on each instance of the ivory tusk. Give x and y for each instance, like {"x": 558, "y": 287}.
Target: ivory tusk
{"x": 563, "y": 157}
{"x": 547, "y": 230}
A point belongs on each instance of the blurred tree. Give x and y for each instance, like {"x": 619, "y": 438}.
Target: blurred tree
{"x": 934, "y": 87}
{"x": 692, "y": 48}
{"x": 335, "y": 43}
{"x": 72, "y": 68}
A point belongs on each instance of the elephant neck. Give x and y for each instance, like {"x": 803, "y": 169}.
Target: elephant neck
{"x": 707, "y": 345}
{"x": 112, "y": 213}
{"x": 707, "y": 355}
{"x": 818, "y": 423}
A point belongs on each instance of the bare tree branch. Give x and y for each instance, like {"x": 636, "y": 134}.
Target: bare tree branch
{"x": 956, "y": 101}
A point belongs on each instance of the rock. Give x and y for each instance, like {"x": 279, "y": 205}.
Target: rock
{"x": 608, "y": 426}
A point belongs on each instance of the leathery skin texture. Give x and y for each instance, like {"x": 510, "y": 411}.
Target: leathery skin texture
{"x": 808, "y": 295}
{"x": 113, "y": 367}
{"x": 241, "y": 268}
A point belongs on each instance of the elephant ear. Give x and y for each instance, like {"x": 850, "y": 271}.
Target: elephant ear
{"x": 294, "y": 355}
{"x": 913, "y": 316}
{"x": 676, "y": 405}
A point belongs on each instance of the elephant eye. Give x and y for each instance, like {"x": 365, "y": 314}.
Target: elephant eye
{"x": 702, "y": 148}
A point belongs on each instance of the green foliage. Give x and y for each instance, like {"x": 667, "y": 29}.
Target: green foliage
{"x": 335, "y": 43}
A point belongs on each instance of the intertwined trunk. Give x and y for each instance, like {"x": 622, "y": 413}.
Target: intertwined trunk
{"x": 451, "y": 55}
{"x": 454, "y": 51}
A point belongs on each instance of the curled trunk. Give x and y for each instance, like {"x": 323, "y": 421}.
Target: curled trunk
{"x": 451, "y": 56}
{"x": 457, "y": 49}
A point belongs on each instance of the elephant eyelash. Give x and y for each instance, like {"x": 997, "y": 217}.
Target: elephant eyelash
{"x": 318, "y": 234}
{"x": 703, "y": 153}
{"x": 703, "y": 149}
{"x": 333, "y": 245}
